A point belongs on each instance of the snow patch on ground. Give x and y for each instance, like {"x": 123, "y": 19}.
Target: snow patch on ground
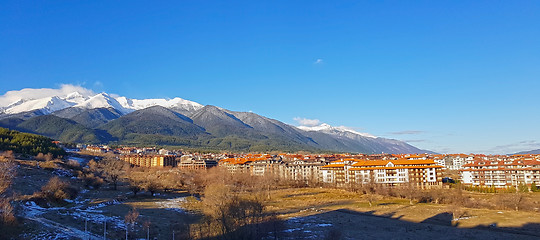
{"x": 309, "y": 227}
{"x": 173, "y": 204}
{"x": 80, "y": 160}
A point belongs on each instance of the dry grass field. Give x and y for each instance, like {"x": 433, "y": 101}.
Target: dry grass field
{"x": 349, "y": 215}
{"x": 304, "y": 213}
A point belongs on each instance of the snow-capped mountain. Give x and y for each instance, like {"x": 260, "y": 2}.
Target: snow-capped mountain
{"x": 51, "y": 100}
{"x": 46, "y": 105}
{"x": 341, "y": 130}
{"x": 175, "y": 103}
{"x": 102, "y": 117}
{"x": 347, "y": 139}
{"x": 103, "y": 100}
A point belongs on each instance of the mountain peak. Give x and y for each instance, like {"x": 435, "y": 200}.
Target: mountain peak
{"x": 49, "y": 100}
{"x": 327, "y": 128}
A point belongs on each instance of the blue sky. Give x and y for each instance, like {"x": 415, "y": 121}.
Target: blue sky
{"x": 449, "y": 76}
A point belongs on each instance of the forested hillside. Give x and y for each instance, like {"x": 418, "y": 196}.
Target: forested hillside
{"x": 27, "y": 143}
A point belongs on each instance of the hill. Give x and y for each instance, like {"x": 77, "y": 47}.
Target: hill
{"x": 26, "y": 143}
{"x": 86, "y": 117}
{"x": 537, "y": 151}
{"x": 148, "y": 124}
{"x": 63, "y": 129}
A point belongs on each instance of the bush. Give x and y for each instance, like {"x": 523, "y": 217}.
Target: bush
{"x": 7, "y": 215}
{"x": 92, "y": 181}
{"x": 72, "y": 164}
{"x": 534, "y": 188}
{"x": 522, "y": 187}
{"x": 56, "y": 190}
{"x": 516, "y": 201}
{"x": 230, "y": 215}
{"x": 49, "y": 165}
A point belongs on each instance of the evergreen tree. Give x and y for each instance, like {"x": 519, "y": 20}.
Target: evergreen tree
{"x": 534, "y": 188}
{"x": 522, "y": 187}
{"x": 27, "y": 143}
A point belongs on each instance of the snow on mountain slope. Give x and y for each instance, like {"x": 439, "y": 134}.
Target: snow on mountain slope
{"x": 48, "y": 100}
{"x": 26, "y": 94}
{"x": 103, "y": 100}
{"x": 341, "y": 130}
{"x": 46, "y": 105}
{"x": 138, "y": 104}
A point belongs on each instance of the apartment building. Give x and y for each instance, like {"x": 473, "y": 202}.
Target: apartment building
{"x": 236, "y": 165}
{"x": 190, "y": 162}
{"x": 424, "y": 173}
{"x": 336, "y": 171}
{"x": 150, "y": 160}
{"x": 502, "y": 171}
{"x": 302, "y": 170}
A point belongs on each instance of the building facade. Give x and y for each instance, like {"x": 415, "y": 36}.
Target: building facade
{"x": 150, "y": 160}
{"x": 502, "y": 171}
{"x": 420, "y": 173}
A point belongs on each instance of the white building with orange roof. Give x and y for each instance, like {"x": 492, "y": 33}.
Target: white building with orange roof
{"x": 235, "y": 165}
{"x": 422, "y": 172}
{"x": 502, "y": 171}
{"x": 336, "y": 171}
{"x": 306, "y": 170}
{"x": 264, "y": 165}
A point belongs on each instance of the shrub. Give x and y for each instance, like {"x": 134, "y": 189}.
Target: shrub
{"x": 7, "y": 215}
{"x": 72, "y": 164}
{"x": 534, "y": 188}
{"x": 56, "y": 190}
{"x": 92, "y": 181}
{"x": 522, "y": 187}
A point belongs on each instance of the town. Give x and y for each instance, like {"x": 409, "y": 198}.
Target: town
{"x": 420, "y": 170}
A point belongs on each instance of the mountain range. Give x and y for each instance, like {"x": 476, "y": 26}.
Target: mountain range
{"x": 536, "y": 151}
{"x": 76, "y": 114}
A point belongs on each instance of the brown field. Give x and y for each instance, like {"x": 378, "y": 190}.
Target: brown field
{"x": 350, "y": 215}
{"x": 305, "y": 213}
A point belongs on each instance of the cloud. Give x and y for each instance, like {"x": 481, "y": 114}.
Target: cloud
{"x": 307, "y": 122}
{"x": 510, "y": 148}
{"x": 98, "y": 84}
{"x": 36, "y": 93}
{"x": 408, "y": 132}
{"x": 414, "y": 140}
{"x": 318, "y": 61}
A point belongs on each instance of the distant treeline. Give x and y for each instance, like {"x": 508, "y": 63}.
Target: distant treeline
{"x": 26, "y": 143}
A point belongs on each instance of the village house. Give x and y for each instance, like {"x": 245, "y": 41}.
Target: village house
{"x": 97, "y": 149}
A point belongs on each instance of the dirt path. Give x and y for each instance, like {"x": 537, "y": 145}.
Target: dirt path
{"x": 65, "y": 230}
{"x": 61, "y": 230}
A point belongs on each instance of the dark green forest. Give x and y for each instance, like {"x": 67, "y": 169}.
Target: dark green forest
{"x": 26, "y": 143}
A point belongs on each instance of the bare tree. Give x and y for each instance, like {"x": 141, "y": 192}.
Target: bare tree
{"x": 227, "y": 212}
{"x": 152, "y": 187}
{"x": 409, "y": 191}
{"x": 58, "y": 190}
{"x": 147, "y": 225}
{"x": 130, "y": 219}
{"x": 7, "y": 213}
{"x": 7, "y": 173}
{"x": 517, "y": 199}
{"x": 113, "y": 169}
